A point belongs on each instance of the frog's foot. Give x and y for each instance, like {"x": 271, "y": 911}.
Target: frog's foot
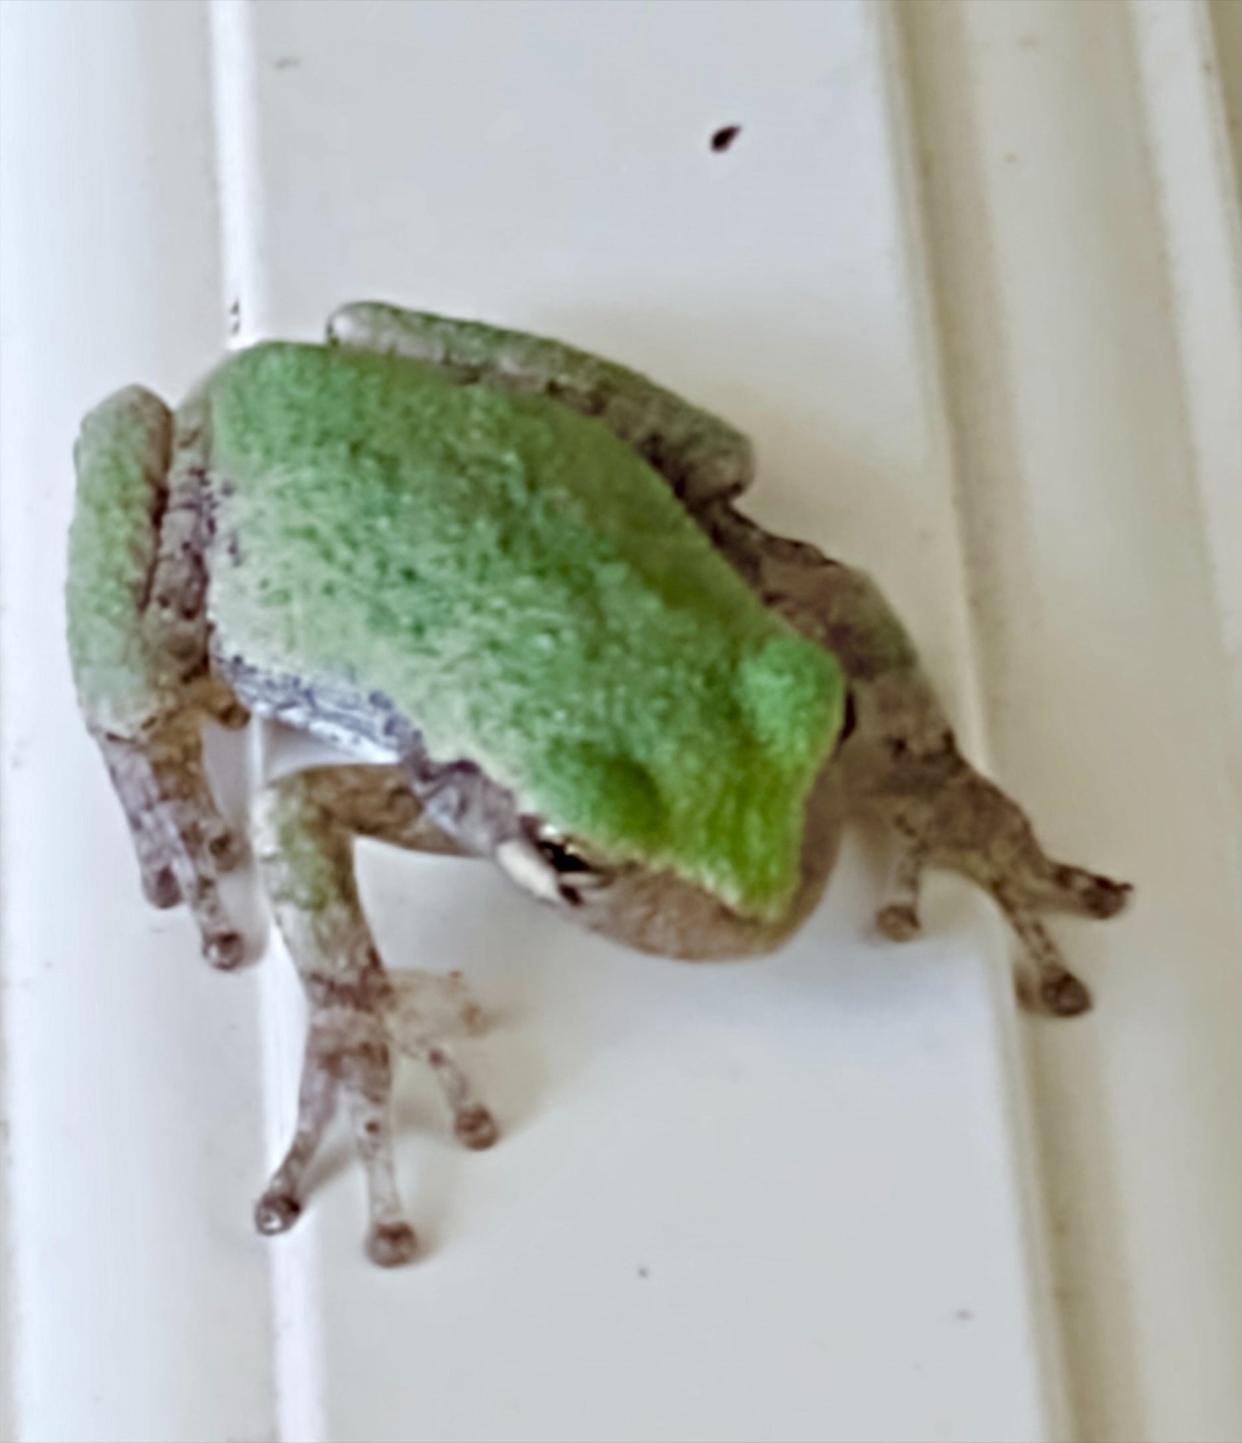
{"x": 1024, "y": 882}
{"x": 345, "y": 1050}
{"x": 182, "y": 842}
{"x": 424, "y": 1006}
{"x": 959, "y": 819}
{"x": 422, "y": 1010}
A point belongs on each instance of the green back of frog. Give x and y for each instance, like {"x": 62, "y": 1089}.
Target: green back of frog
{"x": 531, "y": 595}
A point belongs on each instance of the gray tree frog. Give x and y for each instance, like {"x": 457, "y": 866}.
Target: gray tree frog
{"x": 512, "y": 579}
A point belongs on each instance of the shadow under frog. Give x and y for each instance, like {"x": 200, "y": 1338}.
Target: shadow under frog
{"x": 155, "y": 532}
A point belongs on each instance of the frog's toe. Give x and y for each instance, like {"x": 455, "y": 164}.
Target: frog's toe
{"x": 160, "y": 888}
{"x": 1064, "y": 995}
{"x": 276, "y": 1212}
{"x": 476, "y": 1127}
{"x": 391, "y": 1244}
{"x": 1055, "y": 994}
{"x": 224, "y": 950}
{"x": 1087, "y": 893}
{"x": 1105, "y": 898}
{"x": 898, "y": 922}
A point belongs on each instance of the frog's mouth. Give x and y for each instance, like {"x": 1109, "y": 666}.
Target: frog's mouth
{"x": 657, "y": 911}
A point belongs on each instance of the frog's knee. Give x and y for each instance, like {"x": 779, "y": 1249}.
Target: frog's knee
{"x": 121, "y": 459}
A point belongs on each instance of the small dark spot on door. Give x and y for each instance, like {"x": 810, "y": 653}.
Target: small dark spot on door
{"x": 723, "y": 138}
{"x": 286, "y": 62}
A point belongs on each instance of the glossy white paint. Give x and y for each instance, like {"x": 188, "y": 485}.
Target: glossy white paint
{"x": 136, "y": 1300}
{"x": 794, "y": 1200}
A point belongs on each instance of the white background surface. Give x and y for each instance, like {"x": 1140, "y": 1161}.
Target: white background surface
{"x": 969, "y": 276}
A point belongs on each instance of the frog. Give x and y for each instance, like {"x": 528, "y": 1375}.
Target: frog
{"x": 510, "y": 584}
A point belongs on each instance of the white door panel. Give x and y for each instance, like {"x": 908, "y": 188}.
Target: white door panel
{"x": 943, "y": 276}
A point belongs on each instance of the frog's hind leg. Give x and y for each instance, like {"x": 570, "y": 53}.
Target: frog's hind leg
{"x": 138, "y": 644}
{"x": 901, "y": 761}
{"x": 701, "y": 457}
{"x": 304, "y": 830}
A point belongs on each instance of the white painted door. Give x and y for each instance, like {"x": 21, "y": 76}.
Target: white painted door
{"x": 969, "y": 275}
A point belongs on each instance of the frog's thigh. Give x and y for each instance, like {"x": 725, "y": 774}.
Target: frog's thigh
{"x": 701, "y": 456}
{"x": 138, "y": 648}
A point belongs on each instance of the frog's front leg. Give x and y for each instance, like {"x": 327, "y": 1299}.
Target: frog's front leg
{"x": 138, "y": 642}
{"x": 304, "y": 829}
{"x": 898, "y": 919}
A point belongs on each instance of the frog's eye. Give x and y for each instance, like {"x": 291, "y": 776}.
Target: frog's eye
{"x": 562, "y": 857}
{"x": 574, "y": 873}
{"x": 548, "y": 868}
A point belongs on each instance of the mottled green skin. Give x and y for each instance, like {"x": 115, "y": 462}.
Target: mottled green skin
{"x": 121, "y": 456}
{"x": 530, "y": 594}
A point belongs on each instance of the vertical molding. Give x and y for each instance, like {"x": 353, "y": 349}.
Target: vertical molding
{"x": 235, "y": 96}
{"x": 8, "y": 241}
{"x": 296, "y": 1334}
{"x": 1225, "y": 18}
{"x": 136, "y": 1299}
{"x": 1182, "y": 82}
{"x": 1086, "y": 288}
{"x": 911, "y": 118}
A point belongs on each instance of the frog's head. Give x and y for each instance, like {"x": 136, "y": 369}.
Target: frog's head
{"x": 692, "y": 840}
{"x": 650, "y": 907}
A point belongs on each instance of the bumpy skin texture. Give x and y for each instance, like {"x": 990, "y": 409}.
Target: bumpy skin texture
{"x": 154, "y": 526}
